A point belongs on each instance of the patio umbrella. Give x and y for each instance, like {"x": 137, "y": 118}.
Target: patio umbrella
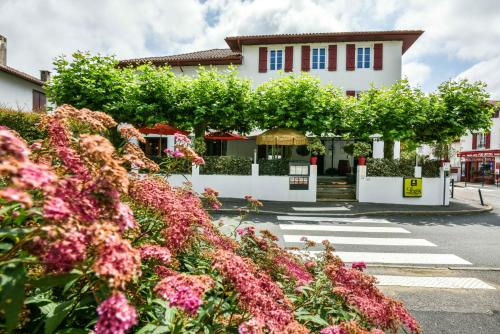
{"x": 282, "y": 136}
{"x": 162, "y": 129}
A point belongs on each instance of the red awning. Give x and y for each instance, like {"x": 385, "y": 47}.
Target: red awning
{"x": 162, "y": 129}
{"x": 224, "y": 136}
{"x": 480, "y": 154}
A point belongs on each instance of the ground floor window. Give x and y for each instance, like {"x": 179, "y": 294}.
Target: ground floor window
{"x": 154, "y": 146}
{"x": 216, "y": 147}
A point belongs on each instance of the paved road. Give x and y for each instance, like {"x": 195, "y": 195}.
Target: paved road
{"x": 445, "y": 268}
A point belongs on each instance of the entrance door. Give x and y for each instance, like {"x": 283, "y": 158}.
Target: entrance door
{"x": 321, "y": 165}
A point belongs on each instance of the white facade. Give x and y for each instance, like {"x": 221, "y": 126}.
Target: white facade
{"x": 357, "y": 80}
{"x": 16, "y": 93}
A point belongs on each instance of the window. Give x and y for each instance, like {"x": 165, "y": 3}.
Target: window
{"x": 39, "y": 101}
{"x": 363, "y": 60}
{"x": 318, "y": 58}
{"x": 276, "y": 61}
{"x": 481, "y": 140}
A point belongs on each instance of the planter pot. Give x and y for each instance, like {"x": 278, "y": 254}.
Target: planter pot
{"x": 313, "y": 160}
{"x": 361, "y": 161}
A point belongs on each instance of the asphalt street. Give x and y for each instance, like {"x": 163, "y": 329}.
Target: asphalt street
{"x": 445, "y": 268}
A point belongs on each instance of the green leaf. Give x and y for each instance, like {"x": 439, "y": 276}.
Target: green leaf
{"x": 314, "y": 318}
{"x": 12, "y": 293}
{"x": 56, "y": 312}
{"x": 72, "y": 331}
{"x": 56, "y": 280}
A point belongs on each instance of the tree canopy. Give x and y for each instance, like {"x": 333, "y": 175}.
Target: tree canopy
{"x": 221, "y": 100}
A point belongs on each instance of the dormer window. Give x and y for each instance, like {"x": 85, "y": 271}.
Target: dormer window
{"x": 318, "y": 58}
{"x": 363, "y": 58}
{"x": 276, "y": 60}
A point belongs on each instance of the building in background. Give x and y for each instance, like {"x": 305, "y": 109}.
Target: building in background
{"x": 478, "y": 156}
{"x": 351, "y": 60}
{"x": 19, "y": 90}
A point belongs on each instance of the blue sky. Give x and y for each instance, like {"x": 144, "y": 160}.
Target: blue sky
{"x": 461, "y": 39}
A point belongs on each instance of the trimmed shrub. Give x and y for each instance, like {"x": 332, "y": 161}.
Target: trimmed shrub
{"x": 401, "y": 168}
{"x": 274, "y": 167}
{"x": 227, "y": 165}
{"x": 25, "y": 123}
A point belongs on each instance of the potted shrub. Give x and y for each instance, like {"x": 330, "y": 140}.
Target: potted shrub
{"x": 361, "y": 150}
{"x": 315, "y": 147}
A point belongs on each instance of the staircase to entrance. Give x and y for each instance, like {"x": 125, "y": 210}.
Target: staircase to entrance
{"x": 335, "y": 189}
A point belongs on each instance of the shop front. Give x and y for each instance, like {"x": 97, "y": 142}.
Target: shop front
{"x": 480, "y": 166}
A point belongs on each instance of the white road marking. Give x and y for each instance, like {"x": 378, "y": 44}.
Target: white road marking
{"x": 334, "y": 219}
{"x": 326, "y": 208}
{"x": 336, "y": 228}
{"x": 361, "y": 241}
{"x": 396, "y": 258}
{"x": 433, "y": 282}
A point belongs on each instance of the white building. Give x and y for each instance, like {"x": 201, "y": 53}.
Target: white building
{"x": 478, "y": 154}
{"x": 351, "y": 60}
{"x": 19, "y": 90}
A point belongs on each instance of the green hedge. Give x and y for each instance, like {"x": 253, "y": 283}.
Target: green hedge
{"x": 25, "y": 123}
{"x": 226, "y": 165}
{"x": 274, "y": 167}
{"x": 386, "y": 167}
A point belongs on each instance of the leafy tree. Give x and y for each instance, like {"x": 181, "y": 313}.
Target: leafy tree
{"x": 152, "y": 96}
{"x": 215, "y": 100}
{"x": 298, "y": 102}
{"x": 87, "y": 81}
{"x": 455, "y": 109}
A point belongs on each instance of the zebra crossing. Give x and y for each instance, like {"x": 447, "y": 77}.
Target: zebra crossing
{"x": 363, "y": 234}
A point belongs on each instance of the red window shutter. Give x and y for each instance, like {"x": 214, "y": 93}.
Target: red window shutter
{"x": 262, "y": 60}
{"x": 378, "y": 56}
{"x": 306, "y": 58}
{"x": 350, "y": 61}
{"x": 474, "y": 141}
{"x": 350, "y": 92}
{"x": 289, "y": 59}
{"x": 487, "y": 140}
{"x": 332, "y": 57}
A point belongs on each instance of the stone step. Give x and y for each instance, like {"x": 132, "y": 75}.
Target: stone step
{"x": 336, "y": 200}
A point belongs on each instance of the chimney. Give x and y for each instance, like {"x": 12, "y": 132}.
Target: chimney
{"x": 44, "y": 75}
{"x": 3, "y": 50}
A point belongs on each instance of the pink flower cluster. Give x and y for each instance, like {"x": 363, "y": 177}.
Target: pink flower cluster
{"x": 118, "y": 262}
{"x": 293, "y": 269}
{"x": 359, "y": 290}
{"x": 349, "y": 327}
{"x": 159, "y": 253}
{"x": 116, "y": 316}
{"x": 184, "y": 291}
{"x": 358, "y": 265}
{"x": 62, "y": 254}
{"x": 257, "y": 293}
{"x": 129, "y": 132}
{"x": 182, "y": 210}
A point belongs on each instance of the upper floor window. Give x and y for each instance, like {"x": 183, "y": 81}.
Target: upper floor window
{"x": 276, "y": 60}
{"x": 364, "y": 58}
{"x": 481, "y": 140}
{"x": 318, "y": 58}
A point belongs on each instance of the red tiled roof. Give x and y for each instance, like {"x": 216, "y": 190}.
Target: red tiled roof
{"x": 408, "y": 37}
{"x": 21, "y": 75}
{"x": 207, "y": 57}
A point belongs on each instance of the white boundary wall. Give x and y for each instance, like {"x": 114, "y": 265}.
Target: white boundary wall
{"x": 389, "y": 190}
{"x": 262, "y": 187}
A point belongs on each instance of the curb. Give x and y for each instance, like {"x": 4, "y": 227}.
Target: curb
{"x": 487, "y": 208}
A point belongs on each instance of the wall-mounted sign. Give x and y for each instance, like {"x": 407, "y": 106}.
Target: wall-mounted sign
{"x": 299, "y": 176}
{"x": 412, "y": 187}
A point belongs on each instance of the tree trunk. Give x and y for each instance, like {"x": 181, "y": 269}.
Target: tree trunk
{"x": 389, "y": 149}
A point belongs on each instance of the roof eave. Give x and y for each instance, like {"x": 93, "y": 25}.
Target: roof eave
{"x": 407, "y": 37}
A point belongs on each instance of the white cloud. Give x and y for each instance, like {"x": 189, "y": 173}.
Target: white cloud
{"x": 486, "y": 71}
{"x": 39, "y": 30}
{"x": 417, "y": 73}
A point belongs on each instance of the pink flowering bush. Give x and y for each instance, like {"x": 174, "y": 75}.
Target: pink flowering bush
{"x": 90, "y": 245}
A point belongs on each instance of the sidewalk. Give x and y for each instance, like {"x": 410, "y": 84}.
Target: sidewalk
{"x": 353, "y": 208}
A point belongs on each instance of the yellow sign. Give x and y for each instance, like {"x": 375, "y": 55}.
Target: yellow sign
{"x": 412, "y": 187}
